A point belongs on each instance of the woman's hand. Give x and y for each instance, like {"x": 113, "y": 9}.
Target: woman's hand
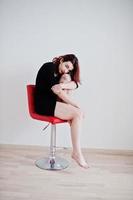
{"x": 56, "y": 88}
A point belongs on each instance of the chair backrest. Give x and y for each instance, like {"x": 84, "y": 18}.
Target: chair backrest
{"x": 31, "y": 107}
{"x": 30, "y": 94}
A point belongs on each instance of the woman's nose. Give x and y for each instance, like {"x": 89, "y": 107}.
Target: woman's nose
{"x": 66, "y": 71}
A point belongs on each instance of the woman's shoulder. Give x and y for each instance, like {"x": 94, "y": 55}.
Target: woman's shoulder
{"x": 48, "y": 66}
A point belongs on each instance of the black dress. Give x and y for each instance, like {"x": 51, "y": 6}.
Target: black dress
{"x": 45, "y": 100}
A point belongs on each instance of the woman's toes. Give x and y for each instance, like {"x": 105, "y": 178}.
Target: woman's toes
{"x": 81, "y": 161}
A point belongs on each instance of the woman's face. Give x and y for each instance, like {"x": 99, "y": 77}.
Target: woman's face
{"x": 65, "y": 67}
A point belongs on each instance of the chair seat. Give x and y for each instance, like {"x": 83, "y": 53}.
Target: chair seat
{"x": 51, "y": 119}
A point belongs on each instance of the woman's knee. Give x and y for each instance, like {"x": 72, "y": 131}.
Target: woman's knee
{"x": 78, "y": 113}
{"x": 65, "y": 78}
{"x": 67, "y": 111}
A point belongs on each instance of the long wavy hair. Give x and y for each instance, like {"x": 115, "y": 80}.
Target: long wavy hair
{"x": 75, "y": 73}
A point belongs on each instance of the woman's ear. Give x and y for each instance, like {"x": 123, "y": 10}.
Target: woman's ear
{"x": 61, "y": 60}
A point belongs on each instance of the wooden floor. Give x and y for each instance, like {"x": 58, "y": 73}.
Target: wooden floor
{"x": 110, "y": 176}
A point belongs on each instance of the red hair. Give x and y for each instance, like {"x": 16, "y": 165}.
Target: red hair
{"x": 75, "y": 73}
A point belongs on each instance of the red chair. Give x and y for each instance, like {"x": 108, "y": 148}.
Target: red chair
{"x": 52, "y": 162}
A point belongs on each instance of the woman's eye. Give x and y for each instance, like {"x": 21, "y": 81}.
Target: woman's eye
{"x": 67, "y": 66}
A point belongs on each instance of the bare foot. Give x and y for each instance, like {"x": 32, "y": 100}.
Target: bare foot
{"x": 80, "y": 160}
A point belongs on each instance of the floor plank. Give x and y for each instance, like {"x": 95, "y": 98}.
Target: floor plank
{"x": 110, "y": 176}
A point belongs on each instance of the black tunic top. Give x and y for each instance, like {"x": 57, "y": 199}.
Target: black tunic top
{"x": 45, "y": 100}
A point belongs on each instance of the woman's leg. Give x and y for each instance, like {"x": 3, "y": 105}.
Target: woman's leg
{"x": 65, "y": 78}
{"x": 68, "y": 112}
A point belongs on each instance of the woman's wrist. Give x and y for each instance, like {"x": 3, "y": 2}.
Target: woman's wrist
{"x": 62, "y": 85}
{"x": 70, "y": 85}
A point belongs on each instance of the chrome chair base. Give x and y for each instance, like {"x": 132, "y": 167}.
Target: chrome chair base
{"x": 56, "y": 163}
{"x": 52, "y": 162}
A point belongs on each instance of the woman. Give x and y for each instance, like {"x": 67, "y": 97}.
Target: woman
{"x": 50, "y": 89}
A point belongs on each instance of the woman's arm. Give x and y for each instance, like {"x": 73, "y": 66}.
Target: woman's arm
{"x": 61, "y": 94}
{"x": 70, "y": 85}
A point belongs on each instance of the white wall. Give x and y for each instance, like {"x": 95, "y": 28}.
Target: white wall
{"x": 100, "y": 33}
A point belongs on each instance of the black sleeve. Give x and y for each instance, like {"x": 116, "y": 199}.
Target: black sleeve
{"x": 49, "y": 79}
{"x": 44, "y": 79}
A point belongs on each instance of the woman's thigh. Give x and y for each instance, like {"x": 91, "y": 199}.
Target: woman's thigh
{"x": 66, "y": 111}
